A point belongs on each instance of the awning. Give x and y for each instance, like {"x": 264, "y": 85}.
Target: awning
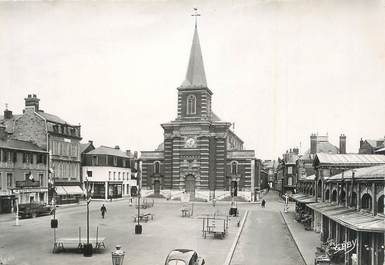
{"x": 73, "y": 190}
{"x": 350, "y": 218}
{"x": 302, "y": 198}
{"x": 60, "y": 190}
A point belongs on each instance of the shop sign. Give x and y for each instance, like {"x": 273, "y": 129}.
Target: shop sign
{"x": 346, "y": 246}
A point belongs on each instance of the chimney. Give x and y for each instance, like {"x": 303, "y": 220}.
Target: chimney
{"x": 342, "y": 144}
{"x": 313, "y": 143}
{"x": 117, "y": 147}
{"x": 3, "y": 132}
{"x": 8, "y": 114}
{"x": 91, "y": 142}
{"x": 32, "y": 100}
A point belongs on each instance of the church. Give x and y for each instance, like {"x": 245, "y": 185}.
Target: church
{"x": 200, "y": 154}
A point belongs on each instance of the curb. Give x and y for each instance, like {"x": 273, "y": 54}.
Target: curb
{"x": 235, "y": 243}
{"x": 292, "y": 236}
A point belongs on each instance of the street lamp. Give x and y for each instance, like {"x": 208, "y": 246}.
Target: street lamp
{"x": 117, "y": 256}
{"x": 88, "y": 246}
{"x": 138, "y": 227}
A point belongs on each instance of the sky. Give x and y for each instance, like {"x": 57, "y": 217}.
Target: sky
{"x": 280, "y": 70}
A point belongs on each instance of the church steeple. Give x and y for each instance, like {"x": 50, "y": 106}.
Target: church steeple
{"x": 195, "y": 76}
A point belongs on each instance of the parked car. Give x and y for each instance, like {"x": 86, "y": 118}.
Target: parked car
{"x": 184, "y": 257}
{"x": 34, "y": 209}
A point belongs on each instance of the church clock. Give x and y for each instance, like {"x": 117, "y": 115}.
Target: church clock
{"x": 190, "y": 142}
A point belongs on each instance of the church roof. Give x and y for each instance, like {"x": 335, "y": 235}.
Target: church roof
{"x": 195, "y": 76}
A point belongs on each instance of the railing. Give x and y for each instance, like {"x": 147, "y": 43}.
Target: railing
{"x": 27, "y": 183}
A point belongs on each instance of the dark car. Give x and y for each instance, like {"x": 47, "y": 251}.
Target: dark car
{"x": 34, "y": 210}
{"x": 184, "y": 257}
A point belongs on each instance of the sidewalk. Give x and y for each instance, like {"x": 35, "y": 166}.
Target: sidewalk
{"x": 306, "y": 241}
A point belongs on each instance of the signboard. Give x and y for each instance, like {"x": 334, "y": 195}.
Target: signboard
{"x": 346, "y": 246}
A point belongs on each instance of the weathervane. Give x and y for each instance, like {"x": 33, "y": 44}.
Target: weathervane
{"x": 196, "y": 15}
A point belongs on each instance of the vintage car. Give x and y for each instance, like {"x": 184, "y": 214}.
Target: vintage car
{"x": 34, "y": 210}
{"x": 184, "y": 257}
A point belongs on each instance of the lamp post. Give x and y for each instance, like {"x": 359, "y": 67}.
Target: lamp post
{"x": 54, "y": 222}
{"x": 117, "y": 256}
{"x": 138, "y": 226}
{"x": 88, "y": 246}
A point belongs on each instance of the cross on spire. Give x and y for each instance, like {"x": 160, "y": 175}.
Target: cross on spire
{"x": 196, "y": 15}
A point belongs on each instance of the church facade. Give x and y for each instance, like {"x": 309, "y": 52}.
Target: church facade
{"x": 200, "y": 154}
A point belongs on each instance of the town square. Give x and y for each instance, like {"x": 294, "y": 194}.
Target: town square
{"x": 192, "y": 133}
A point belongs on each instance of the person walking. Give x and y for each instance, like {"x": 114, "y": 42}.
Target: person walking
{"x": 103, "y": 210}
{"x": 263, "y": 203}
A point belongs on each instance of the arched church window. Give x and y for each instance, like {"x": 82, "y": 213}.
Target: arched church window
{"x": 156, "y": 167}
{"x": 234, "y": 168}
{"x": 191, "y": 104}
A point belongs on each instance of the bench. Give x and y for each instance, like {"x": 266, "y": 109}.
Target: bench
{"x": 73, "y": 242}
{"x": 144, "y": 217}
{"x": 217, "y": 226}
{"x": 186, "y": 212}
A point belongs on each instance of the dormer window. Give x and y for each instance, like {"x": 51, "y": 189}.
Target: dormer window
{"x": 191, "y": 104}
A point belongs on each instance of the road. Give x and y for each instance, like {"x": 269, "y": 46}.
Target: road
{"x": 265, "y": 239}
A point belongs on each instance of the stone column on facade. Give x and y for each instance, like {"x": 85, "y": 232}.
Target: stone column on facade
{"x": 374, "y": 199}
{"x": 358, "y": 196}
{"x": 372, "y": 248}
{"x": 347, "y": 255}
{"x": 359, "y": 248}
{"x": 106, "y": 190}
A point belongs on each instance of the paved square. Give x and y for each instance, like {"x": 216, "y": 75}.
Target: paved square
{"x": 31, "y": 243}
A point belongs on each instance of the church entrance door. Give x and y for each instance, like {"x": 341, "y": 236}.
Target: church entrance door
{"x": 234, "y": 188}
{"x": 156, "y": 187}
{"x": 190, "y": 185}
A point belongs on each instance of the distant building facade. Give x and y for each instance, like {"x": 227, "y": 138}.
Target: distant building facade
{"x": 200, "y": 154}
{"x": 60, "y": 138}
{"x": 107, "y": 171}
{"x": 372, "y": 146}
{"x": 23, "y": 172}
{"x": 345, "y": 199}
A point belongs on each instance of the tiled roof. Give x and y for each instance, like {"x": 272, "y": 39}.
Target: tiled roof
{"x": 160, "y": 147}
{"x": 195, "y": 76}
{"x": 325, "y": 147}
{"x": 20, "y": 145}
{"x": 349, "y": 159}
{"x": 365, "y": 172}
{"x": 83, "y": 147}
{"x": 52, "y": 118}
{"x": 106, "y": 150}
{"x": 151, "y": 155}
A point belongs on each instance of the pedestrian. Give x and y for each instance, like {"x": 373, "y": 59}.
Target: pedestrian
{"x": 263, "y": 203}
{"x": 103, "y": 210}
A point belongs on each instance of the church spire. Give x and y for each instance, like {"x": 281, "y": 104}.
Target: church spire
{"x": 195, "y": 76}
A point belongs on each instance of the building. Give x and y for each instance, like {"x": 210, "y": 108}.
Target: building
{"x": 289, "y": 170}
{"x": 372, "y": 146}
{"x": 200, "y": 153}
{"x": 84, "y": 148}
{"x": 107, "y": 171}
{"x": 23, "y": 172}
{"x": 345, "y": 200}
{"x": 53, "y": 134}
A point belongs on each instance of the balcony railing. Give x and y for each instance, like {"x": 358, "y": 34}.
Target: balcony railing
{"x": 27, "y": 184}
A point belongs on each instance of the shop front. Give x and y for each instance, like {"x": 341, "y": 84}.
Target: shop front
{"x": 115, "y": 190}
{"x": 350, "y": 237}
